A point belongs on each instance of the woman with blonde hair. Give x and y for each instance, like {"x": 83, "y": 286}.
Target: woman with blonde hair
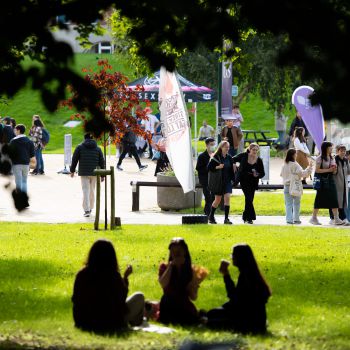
{"x": 292, "y": 168}
{"x": 222, "y": 162}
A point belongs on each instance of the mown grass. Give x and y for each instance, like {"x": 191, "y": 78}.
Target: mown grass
{"x": 270, "y": 204}
{"x": 307, "y": 268}
{"x": 27, "y": 102}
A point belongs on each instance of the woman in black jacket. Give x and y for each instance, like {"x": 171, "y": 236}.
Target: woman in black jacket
{"x": 245, "y": 311}
{"x": 222, "y": 161}
{"x": 100, "y": 302}
{"x": 251, "y": 169}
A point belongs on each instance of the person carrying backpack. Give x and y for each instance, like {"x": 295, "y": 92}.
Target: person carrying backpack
{"x": 36, "y": 133}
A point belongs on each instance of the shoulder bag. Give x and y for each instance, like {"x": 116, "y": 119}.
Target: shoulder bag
{"x": 295, "y": 186}
{"x": 215, "y": 179}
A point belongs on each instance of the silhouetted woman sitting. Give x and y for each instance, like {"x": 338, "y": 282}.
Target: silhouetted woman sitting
{"x": 100, "y": 302}
{"x": 180, "y": 282}
{"x": 245, "y": 311}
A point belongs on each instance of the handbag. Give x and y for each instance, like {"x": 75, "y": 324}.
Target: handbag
{"x": 215, "y": 179}
{"x": 321, "y": 181}
{"x": 296, "y": 186}
{"x": 316, "y": 182}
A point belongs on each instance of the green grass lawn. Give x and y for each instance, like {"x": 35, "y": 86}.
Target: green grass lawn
{"x": 307, "y": 268}
{"x": 27, "y": 102}
{"x": 270, "y": 204}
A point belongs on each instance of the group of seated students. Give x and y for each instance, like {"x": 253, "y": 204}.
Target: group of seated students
{"x": 101, "y": 305}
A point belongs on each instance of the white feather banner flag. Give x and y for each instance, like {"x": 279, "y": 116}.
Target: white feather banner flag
{"x": 176, "y": 129}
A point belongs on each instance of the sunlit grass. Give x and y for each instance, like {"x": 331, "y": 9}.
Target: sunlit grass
{"x": 307, "y": 268}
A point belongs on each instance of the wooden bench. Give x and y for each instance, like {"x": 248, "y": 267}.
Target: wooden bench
{"x": 137, "y": 184}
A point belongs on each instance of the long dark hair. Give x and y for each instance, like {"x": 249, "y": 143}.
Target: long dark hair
{"x": 245, "y": 261}
{"x": 298, "y": 133}
{"x": 324, "y": 146}
{"x": 102, "y": 257}
{"x": 184, "y": 276}
{"x": 290, "y": 155}
{"x": 37, "y": 122}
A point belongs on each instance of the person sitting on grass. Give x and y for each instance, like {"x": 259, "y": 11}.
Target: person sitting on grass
{"x": 245, "y": 311}
{"x": 180, "y": 282}
{"x": 100, "y": 302}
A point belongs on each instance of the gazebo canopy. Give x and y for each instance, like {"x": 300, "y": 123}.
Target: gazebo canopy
{"x": 191, "y": 91}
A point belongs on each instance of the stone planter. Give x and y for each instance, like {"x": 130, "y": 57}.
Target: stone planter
{"x": 173, "y": 198}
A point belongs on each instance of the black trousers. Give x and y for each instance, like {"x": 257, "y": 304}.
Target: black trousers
{"x": 208, "y": 198}
{"x": 249, "y": 192}
{"x": 129, "y": 148}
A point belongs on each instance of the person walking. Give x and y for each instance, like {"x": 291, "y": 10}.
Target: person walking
{"x": 205, "y": 131}
{"x": 129, "y": 146}
{"x": 151, "y": 125}
{"x": 202, "y": 169}
{"x": 291, "y": 168}
{"x": 222, "y": 161}
{"x": 298, "y": 123}
{"x": 326, "y": 195}
{"x": 36, "y": 134}
{"x": 233, "y": 135}
{"x": 341, "y": 185}
{"x": 300, "y": 145}
{"x": 22, "y": 153}
{"x": 246, "y": 309}
{"x": 281, "y": 125}
{"x": 89, "y": 156}
{"x": 100, "y": 302}
{"x": 251, "y": 169}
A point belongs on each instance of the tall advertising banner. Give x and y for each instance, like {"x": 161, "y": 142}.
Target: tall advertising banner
{"x": 176, "y": 129}
{"x": 311, "y": 115}
{"x": 226, "y": 90}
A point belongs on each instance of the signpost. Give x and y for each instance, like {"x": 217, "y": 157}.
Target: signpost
{"x": 67, "y": 153}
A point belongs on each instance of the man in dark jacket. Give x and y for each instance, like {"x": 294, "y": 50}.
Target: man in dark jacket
{"x": 89, "y": 156}
{"x": 22, "y": 152}
{"x": 297, "y": 123}
{"x": 202, "y": 169}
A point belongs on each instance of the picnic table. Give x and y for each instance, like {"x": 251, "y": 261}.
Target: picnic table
{"x": 258, "y": 136}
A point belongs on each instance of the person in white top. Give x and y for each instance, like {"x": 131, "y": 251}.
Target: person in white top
{"x": 300, "y": 146}
{"x": 150, "y": 125}
{"x": 237, "y": 117}
{"x": 292, "y": 168}
{"x": 205, "y": 131}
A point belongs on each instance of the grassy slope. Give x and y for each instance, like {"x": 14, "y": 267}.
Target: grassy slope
{"x": 26, "y": 103}
{"x": 307, "y": 268}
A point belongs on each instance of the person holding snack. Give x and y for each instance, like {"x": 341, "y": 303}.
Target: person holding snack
{"x": 245, "y": 311}
{"x": 180, "y": 281}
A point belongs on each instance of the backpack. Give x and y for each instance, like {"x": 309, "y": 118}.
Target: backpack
{"x": 45, "y": 137}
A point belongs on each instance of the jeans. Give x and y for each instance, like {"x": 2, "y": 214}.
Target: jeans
{"x": 281, "y": 137}
{"x": 20, "y": 171}
{"x": 292, "y": 204}
{"x": 39, "y": 160}
{"x": 88, "y": 184}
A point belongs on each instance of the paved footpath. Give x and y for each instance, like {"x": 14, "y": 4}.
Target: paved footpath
{"x": 57, "y": 198}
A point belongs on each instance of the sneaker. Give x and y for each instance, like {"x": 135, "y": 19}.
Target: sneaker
{"x": 297, "y": 222}
{"x": 143, "y": 167}
{"x": 34, "y": 172}
{"x": 331, "y": 222}
{"x": 290, "y": 223}
{"x": 87, "y": 213}
{"x": 119, "y": 168}
{"x": 337, "y": 221}
{"x": 227, "y": 222}
{"x": 314, "y": 221}
{"x": 212, "y": 221}
{"x": 346, "y": 222}
{"x": 41, "y": 172}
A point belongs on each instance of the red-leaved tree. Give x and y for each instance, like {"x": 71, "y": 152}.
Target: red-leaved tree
{"x": 119, "y": 105}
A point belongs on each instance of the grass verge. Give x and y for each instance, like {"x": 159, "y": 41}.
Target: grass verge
{"x": 308, "y": 269}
